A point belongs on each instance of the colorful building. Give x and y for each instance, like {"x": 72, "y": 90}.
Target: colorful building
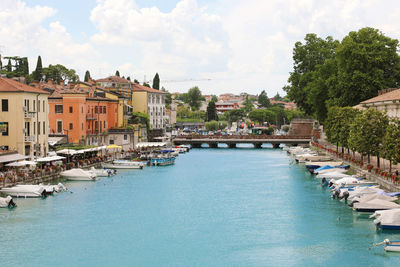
{"x": 24, "y": 119}
{"x": 224, "y": 106}
{"x": 152, "y": 102}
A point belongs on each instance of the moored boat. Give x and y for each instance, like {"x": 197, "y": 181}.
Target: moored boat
{"x": 393, "y": 246}
{"x": 78, "y": 175}
{"x": 24, "y": 191}
{"x": 103, "y": 172}
{"x": 387, "y": 219}
{"x": 124, "y": 164}
{"x": 7, "y": 202}
{"x": 162, "y": 161}
{"x": 374, "y": 205}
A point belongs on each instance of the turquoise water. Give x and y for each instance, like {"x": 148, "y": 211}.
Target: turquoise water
{"x": 214, "y": 207}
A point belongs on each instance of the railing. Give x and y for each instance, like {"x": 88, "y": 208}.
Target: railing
{"x": 90, "y": 117}
{"x": 249, "y": 137}
{"x": 29, "y": 115}
{"x": 29, "y": 138}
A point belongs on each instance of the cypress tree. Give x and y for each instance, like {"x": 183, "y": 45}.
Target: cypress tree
{"x": 128, "y": 78}
{"x": 211, "y": 112}
{"x": 117, "y": 73}
{"x": 87, "y": 76}
{"x": 38, "y": 73}
{"x": 156, "y": 82}
{"x": 1, "y": 64}
{"x": 9, "y": 67}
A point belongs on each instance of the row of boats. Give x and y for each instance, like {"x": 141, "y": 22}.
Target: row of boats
{"x": 363, "y": 196}
{"x": 160, "y": 158}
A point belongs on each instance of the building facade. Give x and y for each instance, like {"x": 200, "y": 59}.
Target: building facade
{"x": 387, "y": 101}
{"x": 24, "y": 119}
{"x": 152, "y": 102}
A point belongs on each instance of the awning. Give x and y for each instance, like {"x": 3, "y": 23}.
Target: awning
{"x": 11, "y": 157}
{"x": 150, "y": 144}
{"x": 56, "y": 140}
{"x": 47, "y": 159}
{"x": 20, "y": 163}
{"x": 67, "y": 151}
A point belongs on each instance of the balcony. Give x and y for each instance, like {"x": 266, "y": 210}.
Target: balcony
{"x": 29, "y": 138}
{"x": 90, "y": 117}
{"x": 29, "y": 115}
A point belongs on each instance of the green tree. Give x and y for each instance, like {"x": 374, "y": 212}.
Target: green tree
{"x": 87, "y": 76}
{"x": 9, "y": 66}
{"x": 214, "y": 98}
{"x": 211, "y": 112}
{"x": 211, "y": 125}
{"x": 156, "y": 82}
{"x": 257, "y": 115}
{"x": 194, "y": 98}
{"x": 263, "y": 99}
{"x": 367, "y": 61}
{"x": 117, "y": 73}
{"x": 390, "y": 144}
{"x": 367, "y": 132}
{"x": 235, "y": 115}
{"x": 306, "y": 58}
{"x": 38, "y": 72}
{"x": 128, "y": 78}
{"x": 136, "y": 81}
{"x": 60, "y": 73}
{"x": 146, "y": 84}
{"x": 248, "y": 104}
{"x": 277, "y": 97}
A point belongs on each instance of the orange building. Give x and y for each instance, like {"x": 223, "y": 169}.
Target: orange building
{"x": 79, "y": 113}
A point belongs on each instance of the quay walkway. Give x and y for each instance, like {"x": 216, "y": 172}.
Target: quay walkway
{"x": 212, "y": 141}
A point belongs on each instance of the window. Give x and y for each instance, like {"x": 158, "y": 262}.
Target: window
{"x": 96, "y": 125}
{"x": 38, "y": 128}
{"x": 44, "y": 106}
{"x": 111, "y": 141}
{"x": 38, "y": 106}
{"x": 34, "y": 105}
{"x": 96, "y": 109}
{"x": 125, "y": 137}
{"x": 44, "y": 127}
{"x": 70, "y": 126}
{"x": 4, "y": 128}
{"x": 104, "y": 124}
{"x": 82, "y": 109}
{"x": 104, "y": 109}
{"x": 70, "y": 109}
{"x": 4, "y": 105}
{"x": 59, "y": 108}
{"x": 82, "y": 126}
{"x": 34, "y": 128}
{"x": 59, "y": 127}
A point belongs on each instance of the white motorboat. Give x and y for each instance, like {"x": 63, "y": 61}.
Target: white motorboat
{"x": 393, "y": 246}
{"x": 124, "y": 164}
{"x": 78, "y": 175}
{"x": 332, "y": 175}
{"x": 24, "y": 191}
{"x": 48, "y": 189}
{"x": 387, "y": 219}
{"x": 103, "y": 172}
{"x": 369, "y": 197}
{"x": 337, "y": 170}
{"x": 54, "y": 188}
{"x": 359, "y": 191}
{"x": 7, "y": 202}
{"x": 374, "y": 205}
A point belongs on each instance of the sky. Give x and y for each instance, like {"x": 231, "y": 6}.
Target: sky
{"x": 222, "y": 46}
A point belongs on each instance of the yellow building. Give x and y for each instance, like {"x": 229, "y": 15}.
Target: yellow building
{"x": 152, "y": 102}
{"x": 24, "y": 119}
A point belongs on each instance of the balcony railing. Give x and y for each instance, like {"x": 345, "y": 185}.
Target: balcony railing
{"x": 90, "y": 117}
{"x": 29, "y": 115}
{"x": 29, "y": 138}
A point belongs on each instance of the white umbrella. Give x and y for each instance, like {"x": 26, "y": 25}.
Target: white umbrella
{"x": 20, "y": 163}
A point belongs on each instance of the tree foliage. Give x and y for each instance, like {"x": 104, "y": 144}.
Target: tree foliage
{"x": 37, "y": 74}
{"x": 194, "y": 98}
{"x": 60, "y": 73}
{"x": 211, "y": 112}
{"x": 156, "y": 82}
{"x": 117, "y": 73}
{"x": 390, "y": 144}
{"x": 367, "y": 131}
{"x": 214, "y": 98}
{"x": 263, "y": 99}
{"x": 215, "y": 125}
{"x": 87, "y": 76}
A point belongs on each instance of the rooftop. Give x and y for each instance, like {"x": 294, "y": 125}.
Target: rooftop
{"x": 9, "y": 85}
{"x": 391, "y": 95}
{"x": 140, "y": 88}
{"x": 115, "y": 79}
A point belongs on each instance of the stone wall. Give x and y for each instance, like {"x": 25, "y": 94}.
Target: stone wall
{"x": 303, "y": 127}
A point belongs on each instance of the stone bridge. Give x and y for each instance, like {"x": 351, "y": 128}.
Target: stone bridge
{"x": 232, "y": 140}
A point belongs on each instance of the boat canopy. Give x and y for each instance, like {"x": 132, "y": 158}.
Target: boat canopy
{"x": 20, "y": 163}
{"x": 150, "y": 144}
{"x": 325, "y": 167}
{"x": 166, "y": 151}
{"x": 369, "y": 197}
{"x": 387, "y": 217}
{"x": 376, "y": 204}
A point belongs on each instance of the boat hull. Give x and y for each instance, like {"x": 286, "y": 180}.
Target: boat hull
{"x": 392, "y": 247}
{"x": 116, "y": 166}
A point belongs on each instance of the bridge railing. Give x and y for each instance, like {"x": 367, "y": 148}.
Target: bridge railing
{"x": 219, "y": 137}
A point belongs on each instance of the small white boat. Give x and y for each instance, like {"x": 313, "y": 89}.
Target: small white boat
{"x": 329, "y": 171}
{"x": 393, "y": 246}
{"x": 24, "y": 191}
{"x": 374, "y": 205}
{"x": 78, "y": 175}
{"x": 387, "y": 219}
{"x": 7, "y": 202}
{"x": 103, "y": 172}
{"x": 49, "y": 190}
{"x": 124, "y": 164}
{"x": 333, "y": 175}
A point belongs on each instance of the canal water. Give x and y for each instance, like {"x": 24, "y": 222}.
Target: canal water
{"x": 214, "y": 207}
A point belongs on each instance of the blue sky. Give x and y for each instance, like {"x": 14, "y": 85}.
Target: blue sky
{"x": 239, "y": 45}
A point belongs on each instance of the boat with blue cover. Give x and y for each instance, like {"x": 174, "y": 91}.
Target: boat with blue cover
{"x": 163, "y": 158}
